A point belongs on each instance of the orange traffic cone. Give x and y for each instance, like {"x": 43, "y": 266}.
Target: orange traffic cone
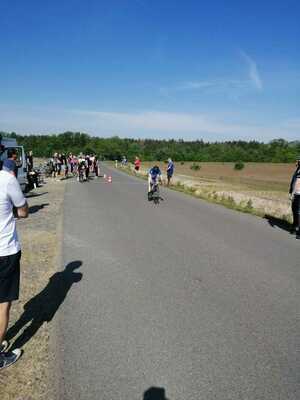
{"x": 109, "y": 180}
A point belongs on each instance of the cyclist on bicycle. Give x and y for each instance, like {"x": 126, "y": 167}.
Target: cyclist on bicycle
{"x": 154, "y": 177}
{"x": 81, "y": 169}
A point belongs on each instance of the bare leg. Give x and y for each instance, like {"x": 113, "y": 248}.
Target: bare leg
{"x": 149, "y": 185}
{"x": 4, "y": 317}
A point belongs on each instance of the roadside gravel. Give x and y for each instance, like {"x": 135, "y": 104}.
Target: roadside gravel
{"x": 40, "y": 234}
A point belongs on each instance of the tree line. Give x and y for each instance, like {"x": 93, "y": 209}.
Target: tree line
{"x": 276, "y": 151}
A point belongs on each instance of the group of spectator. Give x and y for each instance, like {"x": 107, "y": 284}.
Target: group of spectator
{"x": 62, "y": 165}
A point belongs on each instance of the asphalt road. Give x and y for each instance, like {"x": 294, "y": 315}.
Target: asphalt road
{"x": 189, "y": 297}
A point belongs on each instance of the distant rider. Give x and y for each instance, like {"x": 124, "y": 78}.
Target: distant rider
{"x": 81, "y": 168}
{"x": 154, "y": 177}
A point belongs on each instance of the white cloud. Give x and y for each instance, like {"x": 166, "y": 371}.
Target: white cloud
{"x": 154, "y": 124}
{"x": 253, "y": 71}
{"x": 232, "y": 88}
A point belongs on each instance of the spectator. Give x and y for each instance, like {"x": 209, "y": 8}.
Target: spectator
{"x": 295, "y": 198}
{"x": 12, "y": 155}
{"x": 124, "y": 161}
{"x": 96, "y": 166}
{"x": 10, "y": 253}
{"x": 29, "y": 161}
{"x": 59, "y": 164}
{"x": 137, "y": 164}
{"x": 170, "y": 170}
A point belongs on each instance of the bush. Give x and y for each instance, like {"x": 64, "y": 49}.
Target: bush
{"x": 249, "y": 205}
{"x": 195, "y": 167}
{"x": 239, "y": 165}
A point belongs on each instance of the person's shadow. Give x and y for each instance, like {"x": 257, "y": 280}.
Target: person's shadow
{"x": 36, "y": 208}
{"x": 155, "y": 393}
{"x": 278, "y": 222}
{"x": 42, "y": 307}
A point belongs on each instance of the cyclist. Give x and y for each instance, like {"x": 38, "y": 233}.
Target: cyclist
{"x": 154, "y": 177}
{"x": 81, "y": 170}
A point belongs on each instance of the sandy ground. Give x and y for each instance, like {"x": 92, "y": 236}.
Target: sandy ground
{"x": 30, "y": 329}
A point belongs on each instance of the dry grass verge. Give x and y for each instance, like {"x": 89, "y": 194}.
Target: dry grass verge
{"x": 259, "y": 189}
{"x": 29, "y": 378}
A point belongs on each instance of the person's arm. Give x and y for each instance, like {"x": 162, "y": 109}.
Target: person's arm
{"x": 292, "y": 183}
{"x": 23, "y": 211}
{"x": 17, "y": 198}
{"x": 291, "y": 191}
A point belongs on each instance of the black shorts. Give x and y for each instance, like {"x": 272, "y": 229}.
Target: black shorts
{"x": 10, "y": 277}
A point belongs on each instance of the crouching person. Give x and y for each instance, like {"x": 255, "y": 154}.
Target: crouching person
{"x": 10, "y": 253}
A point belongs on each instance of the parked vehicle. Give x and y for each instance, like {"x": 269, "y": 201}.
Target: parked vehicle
{"x": 10, "y": 143}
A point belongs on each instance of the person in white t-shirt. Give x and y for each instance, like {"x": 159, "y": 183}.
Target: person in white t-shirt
{"x": 10, "y": 252}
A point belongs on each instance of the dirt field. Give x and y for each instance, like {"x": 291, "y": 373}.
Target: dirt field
{"x": 259, "y": 187}
{"x": 29, "y": 378}
{"x": 255, "y": 175}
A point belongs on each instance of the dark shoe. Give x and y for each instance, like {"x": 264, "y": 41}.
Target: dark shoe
{"x": 7, "y": 359}
{"x": 298, "y": 233}
{"x": 4, "y": 346}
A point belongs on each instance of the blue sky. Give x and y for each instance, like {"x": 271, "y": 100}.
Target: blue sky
{"x": 215, "y": 70}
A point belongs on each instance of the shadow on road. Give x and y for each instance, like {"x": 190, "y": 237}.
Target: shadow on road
{"x": 36, "y": 208}
{"x": 155, "y": 393}
{"x": 278, "y": 222}
{"x": 42, "y": 307}
{"x": 28, "y": 196}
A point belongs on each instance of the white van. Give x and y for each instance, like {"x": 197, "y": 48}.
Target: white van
{"x": 10, "y": 143}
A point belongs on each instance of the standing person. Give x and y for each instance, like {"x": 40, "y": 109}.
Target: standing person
{"x": 295, "y": 198}
{"x": 12, "y": 155}
{"x": 137, "y": 164}
{"x": 87, "y": 165}
{"x": 29, "y": 160}
{"x": 55, "y": 165}
{"x": 10, "y": 253}
{"x": 65, "y": 165}
{"x": 70, "y": 163}
{"x": 59, "y": 164}
{"x": 96, "y": 167}
{"x": 170, "y": 170}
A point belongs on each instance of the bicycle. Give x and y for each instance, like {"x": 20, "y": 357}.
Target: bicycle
{"x": 154, "y": 194}
{"x": 81, "y": 175}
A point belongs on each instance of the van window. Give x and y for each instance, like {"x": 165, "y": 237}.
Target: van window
{"x": 19, "y": 160}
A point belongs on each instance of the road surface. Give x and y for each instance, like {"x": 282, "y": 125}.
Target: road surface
{"x": 190, "y": 298}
